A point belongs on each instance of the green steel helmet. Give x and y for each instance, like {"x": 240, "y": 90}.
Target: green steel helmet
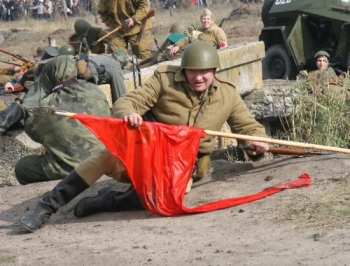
{"x": 321, "y": 53}
{"x": 178, "y": 27}
{"x": 200, "y": 55}
{"x": 81, "y": 27}
{"x": 66, "y": 49}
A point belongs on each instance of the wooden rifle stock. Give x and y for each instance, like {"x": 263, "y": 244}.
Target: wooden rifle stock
{"x": 143, "y": 24}
{"x": 27, "y": 64}
{"x": 149, "y": 14}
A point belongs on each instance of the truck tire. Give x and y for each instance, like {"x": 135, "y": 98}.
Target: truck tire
{"x": 277, "y": 64}
{"x": 265, "y": 11}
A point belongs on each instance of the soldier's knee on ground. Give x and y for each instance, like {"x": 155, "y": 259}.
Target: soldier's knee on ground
{"x": 97, "y": 165}
{"x": 202, "y": 167}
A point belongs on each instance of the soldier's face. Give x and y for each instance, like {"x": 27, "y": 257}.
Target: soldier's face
{"x": 206, "y": 21}
{"x": 200, "y": 79}
{"x": 322, "y": 63}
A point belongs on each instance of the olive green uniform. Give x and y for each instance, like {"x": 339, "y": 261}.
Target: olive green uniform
{"x": 213, "y": 35}
{"x": 115, "y": 12}
{"x": 66, "y": 141}
{"x": 172, "y": 100}
{"x": 326, "y": 82}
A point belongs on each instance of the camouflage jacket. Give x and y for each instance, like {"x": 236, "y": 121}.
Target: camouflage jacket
{"x": 172, "y": 101}
{"x": 67, "y": 142}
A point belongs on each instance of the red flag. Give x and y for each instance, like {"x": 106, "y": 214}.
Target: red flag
{"x": 159, "y": 160}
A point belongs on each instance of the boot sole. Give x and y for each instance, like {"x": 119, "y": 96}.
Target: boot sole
{"x": 27, "y": 227}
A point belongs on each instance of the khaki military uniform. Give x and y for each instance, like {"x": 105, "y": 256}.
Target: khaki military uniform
{"x": 4, "y": 79}
{"x": 2, "y": 105}
{"x": 168, "y": 93}
{"x": 326, "y": 82}
{"x": 115, "y": 12}
{"x": 213, "y": 35}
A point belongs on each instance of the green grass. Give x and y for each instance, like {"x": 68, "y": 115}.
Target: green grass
{"x": 6, "y": 257}
{"x": 320, "y": 118}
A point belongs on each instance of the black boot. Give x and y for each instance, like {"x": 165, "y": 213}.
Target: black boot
{"x": 66, "y": 190}
{"x": 9, "y": 116}
{"x": 108, "y": 200}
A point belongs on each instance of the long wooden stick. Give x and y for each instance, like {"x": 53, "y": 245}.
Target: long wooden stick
{"x": 276, "y": 141}
{"x": 259, "y": 139}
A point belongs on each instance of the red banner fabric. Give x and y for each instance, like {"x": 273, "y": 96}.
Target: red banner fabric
{"x": 159, "y": 160}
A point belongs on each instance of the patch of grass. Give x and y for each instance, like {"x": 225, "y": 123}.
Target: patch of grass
{"x": 6, "y": 257}
{"x": 320, "y": 118}
{"x": 325, "y": 208}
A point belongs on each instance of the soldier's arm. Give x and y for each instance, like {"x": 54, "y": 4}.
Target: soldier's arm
{"x": 220, "y": 36}
{"x": 183, "y": 42}
{"x": 138, "y": 101}
{"x": 141, "y": 10}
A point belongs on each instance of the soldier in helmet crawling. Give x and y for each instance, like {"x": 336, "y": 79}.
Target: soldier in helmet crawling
{"x": 173, "y": 95}
{"x": 14, "y": 113}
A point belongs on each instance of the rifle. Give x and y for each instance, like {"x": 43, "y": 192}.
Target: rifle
{"x": 149, "y": 14}
{"x": 143, "y": 23}
{"x": 27, "y": 64}
{"x": 16, "y": 88}
{"x": 136, "y": 69}
{"x": 156, "y": 42}
{"x": 286, "y": 151}
{"x": 222, "y": 22}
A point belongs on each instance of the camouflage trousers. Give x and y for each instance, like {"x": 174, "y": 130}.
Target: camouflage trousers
{"x": 37, "y": 168}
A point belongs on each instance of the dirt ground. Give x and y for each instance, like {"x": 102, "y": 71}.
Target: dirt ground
{"x": 303, "y": 226}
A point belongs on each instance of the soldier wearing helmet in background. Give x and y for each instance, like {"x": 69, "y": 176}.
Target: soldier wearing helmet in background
{"x": 97, "y": 69}
{"x": 174, "y": 95}
{"x": 84, "y": 37}
{"x": 14, "y": 112}
{"x": 177, "y": 31}
{"x": 134, "y": 30}
{"x": 209, "y": 33}
{"x": 324, "y": 80}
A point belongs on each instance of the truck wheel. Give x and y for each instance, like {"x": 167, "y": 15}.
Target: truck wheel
{"x": 277, "y": 64}
{"x": 265, "y": 11}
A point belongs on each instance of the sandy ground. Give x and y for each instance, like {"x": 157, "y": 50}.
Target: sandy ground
{"x": 304, "y": 226}
{"x": 278, "y": 230}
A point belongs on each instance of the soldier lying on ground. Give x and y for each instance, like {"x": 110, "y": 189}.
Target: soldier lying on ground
{"x": 66, "y": 142}
{"x": 98, "y": 69}
{"x": 209, "y": 33}
{"x": 177, "y": 32}
{"x": 188, "y": 95}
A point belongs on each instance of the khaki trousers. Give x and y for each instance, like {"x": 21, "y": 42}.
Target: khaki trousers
{"x": 104, "y": 163}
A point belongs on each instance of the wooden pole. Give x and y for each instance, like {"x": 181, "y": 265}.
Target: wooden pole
{"x": 259, "y": 139}
{"x": 277, "y": 141}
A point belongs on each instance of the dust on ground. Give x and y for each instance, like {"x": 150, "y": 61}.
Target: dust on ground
{"x": 304, "y": 226}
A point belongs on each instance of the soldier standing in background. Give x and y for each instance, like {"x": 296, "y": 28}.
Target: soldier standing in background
{"x": 129, "y": 15}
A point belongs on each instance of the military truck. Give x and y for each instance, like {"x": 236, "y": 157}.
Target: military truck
{"x": 294, "y": 30}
